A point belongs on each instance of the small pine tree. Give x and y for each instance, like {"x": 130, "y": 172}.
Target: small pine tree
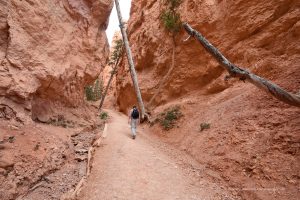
{"x": 171, "y": 18}
{"x": 171, "y": 21}
{"x": 89, "y": 93}
{"x": 94, "y": 92}
{"x": 117, "y": 52}
{"x": 114, "y": 62}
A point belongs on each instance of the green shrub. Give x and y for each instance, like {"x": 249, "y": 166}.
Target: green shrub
{"x": 170, "y": 17}
{"x": 169, "y": 117}
{"x": 204, "y": 126}
{"x": 104, "y": 115}
{"x": 94, "y": 92}
{"x": 171, "y": 21}
{"x": 60, "y": 120}
{"x": 89, "y": 93}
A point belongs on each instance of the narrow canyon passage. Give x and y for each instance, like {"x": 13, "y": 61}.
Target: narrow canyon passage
{"x": 211, "y": 135}
{"x": 141, "y": 169}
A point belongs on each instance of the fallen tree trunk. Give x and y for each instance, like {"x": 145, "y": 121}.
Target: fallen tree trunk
{"x": 235, "y": 71}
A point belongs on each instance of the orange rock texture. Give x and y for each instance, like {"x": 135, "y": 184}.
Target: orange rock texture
{"x": 49, "y": 50}
{"x": 262, "y": 36}
{"x": 253, "y": 140}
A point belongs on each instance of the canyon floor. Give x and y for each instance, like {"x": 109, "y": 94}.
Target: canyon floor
{"x": 145, "y": 168}
{"x": 46, "y": 161}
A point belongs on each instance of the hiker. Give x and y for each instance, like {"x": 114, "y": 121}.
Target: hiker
{"x": 133, "y": 119}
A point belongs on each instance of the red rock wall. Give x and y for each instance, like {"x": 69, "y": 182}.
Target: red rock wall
{"x": 49, "y": 50}
{"x": 253, "y": 141}
{"x": 262, "y": 36}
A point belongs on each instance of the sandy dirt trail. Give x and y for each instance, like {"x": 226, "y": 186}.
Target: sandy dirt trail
{"x": 139, "y": 169}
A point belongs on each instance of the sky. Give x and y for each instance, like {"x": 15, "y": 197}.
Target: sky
{"x": 113, "y": 19}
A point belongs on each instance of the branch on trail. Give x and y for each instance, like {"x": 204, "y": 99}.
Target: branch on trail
{"x": 235, "y": 71}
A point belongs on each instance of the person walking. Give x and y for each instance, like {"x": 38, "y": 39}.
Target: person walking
{"x": 133, "y": 119}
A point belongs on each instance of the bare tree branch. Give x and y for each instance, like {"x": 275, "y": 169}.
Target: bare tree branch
{"x": 243, "y": 74}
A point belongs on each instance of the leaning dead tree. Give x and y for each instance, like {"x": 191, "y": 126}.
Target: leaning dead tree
{"x": 235, "y": 71}
{"x": 115, "y": 59}
{"x": 130, "y": 62}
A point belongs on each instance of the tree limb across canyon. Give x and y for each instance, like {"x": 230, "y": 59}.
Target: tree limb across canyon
{"x": 235, "y": 71}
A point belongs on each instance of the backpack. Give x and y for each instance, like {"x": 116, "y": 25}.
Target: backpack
{"x": 135, "y": 114}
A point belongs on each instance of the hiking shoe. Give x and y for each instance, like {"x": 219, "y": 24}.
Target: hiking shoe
{"x": 133, "y": 137}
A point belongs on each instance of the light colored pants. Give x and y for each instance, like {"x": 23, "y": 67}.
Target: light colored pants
{"x": 134, "y": 123}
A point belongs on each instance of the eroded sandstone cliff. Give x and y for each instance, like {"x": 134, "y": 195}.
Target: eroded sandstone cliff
{"x": 253, "y": 138}
{"x": 49, "y": 50}
{"x": 263, "y": 36}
